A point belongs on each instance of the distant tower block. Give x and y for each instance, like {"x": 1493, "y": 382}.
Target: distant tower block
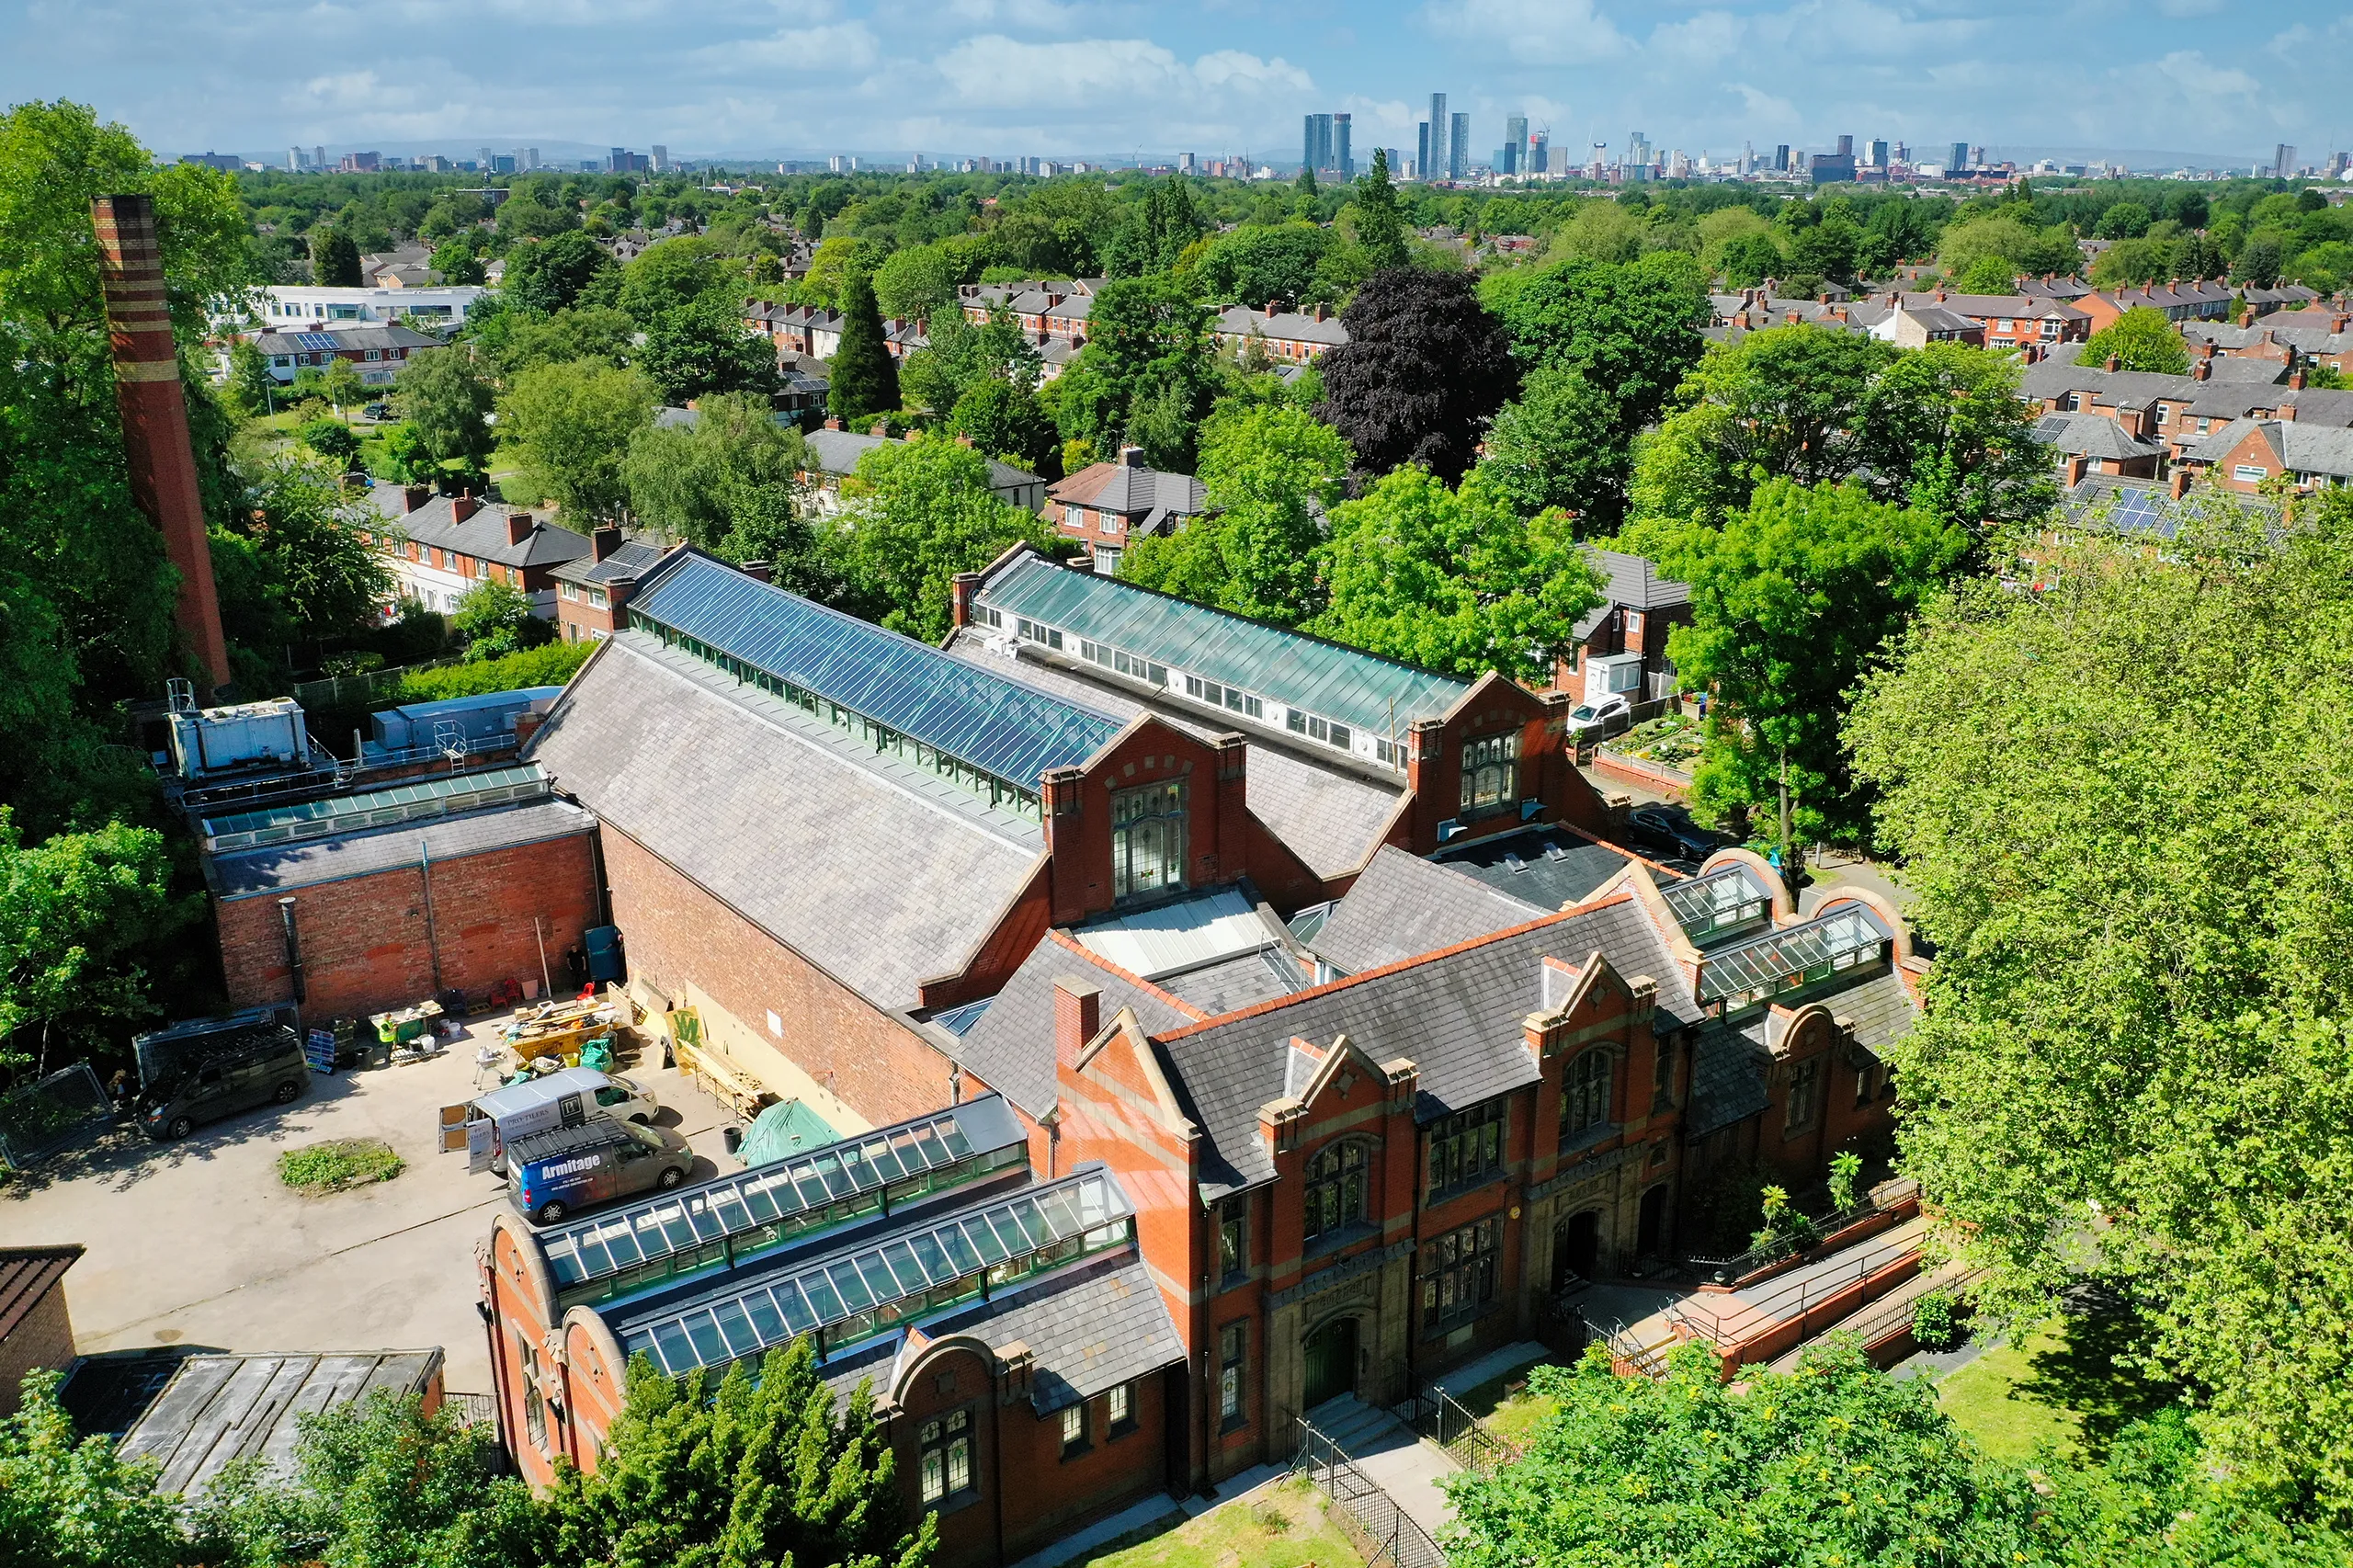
{"x": 155, "y": 443}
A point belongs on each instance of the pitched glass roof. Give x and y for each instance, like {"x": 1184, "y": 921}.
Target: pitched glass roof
{"x": 377, "y": 807}
{"x": 1359, "y": 689}
{"x": 1012, "y": 732}
{"x": 1838, "y": 940}
{"x": 875, "y": 1287}
{"x": 675, "y": 1232}
{"x": 1705, "y": 906}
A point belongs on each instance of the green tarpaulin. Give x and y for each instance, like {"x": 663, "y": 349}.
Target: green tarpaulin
{"x": 783, "y": 1130}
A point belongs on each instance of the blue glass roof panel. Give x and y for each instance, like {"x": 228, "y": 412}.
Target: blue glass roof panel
{"x": 1012, "y": 732}
{"x": 1358, "y": 689}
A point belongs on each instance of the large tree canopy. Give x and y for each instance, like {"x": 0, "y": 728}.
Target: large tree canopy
{"x": 1631, "y": 330}
{"x": 2129, "y": 851}
{"x": 570, "y": 426}
{"x": 916, "y": 513}
{"x": 1424, "y": 370}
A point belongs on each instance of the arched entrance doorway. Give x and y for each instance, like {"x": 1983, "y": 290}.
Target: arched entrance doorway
{"x": 1331, "y": 1361}
{"x": 1649, "y": 1231}
{"x": 1576, "y": 1249}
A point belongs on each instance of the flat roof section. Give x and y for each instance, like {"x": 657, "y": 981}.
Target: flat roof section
{"x": 276, "y": 867}
{"x": 1370, "y": 693}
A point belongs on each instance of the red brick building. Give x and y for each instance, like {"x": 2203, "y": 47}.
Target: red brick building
{"x": 1640, "y": 609}
{"x": 355, "y": 904}
{"x": 36, "y": 1330}
{"x": 591, "y": 590}
{"x": 1108, "y": 507}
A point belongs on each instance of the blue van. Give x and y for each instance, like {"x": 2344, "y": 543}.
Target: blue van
{"x": 557, "y": 1174}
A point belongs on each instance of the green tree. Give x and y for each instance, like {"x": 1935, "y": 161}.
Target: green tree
{"x": 556, "y": 273}
{"x": 251, "y": 386}
{"x": 522, "y": 340}
{"x": 1556, "y": 445}
{"x": 341, "y": 384}
{"x": 1749, "y": 259}
{"x": 2258, "y": 263}
{"x": 1454, "y": 580}
{"x": 335, "y": 259}
{"x": 1424, "y": 370}
{"x": 2124, "y": 221}
{"x": 458, "y": 263}
{"x": 1157, "y": 231}
{"x": 1380, "y": 228}
{"x": 1006, "y": 421}
{"x": 69, "y": 1504}
{"x": 495, "y": 619}
{"x": 1631, "y": 330}
{"x": 962, "y": 353}
{"x": 2140, "y": 339}
{"x": 79, "y": 913}
{"x": 1831, "y": 1464}
{"x": 919, "y": 283}
{"x": 569, "y": 428}
{"x": 670, "y": 275}
{"x": 1988, "y": 275}
{"x": 1147, "y": 361}
{"x": 703, "y": 482}
{"x": 700, "y": 347}
{"x": 917, "y": 512}
{"x": 317, "y": 541}
{"x": 864, "y": 378}
{"x": 329, "y": 438}
{"x": 447, "y": 397}
{"x": 2135, "y": 1063}
{"x": 1269, "y": 471}
{"x": 1793, "y": 600}
{"x": 1260, "y": 265}
{"x": 2010, "y": 237}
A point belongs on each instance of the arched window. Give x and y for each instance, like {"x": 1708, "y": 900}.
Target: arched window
{"x": 1336, "y": 1178}
{"x": 1584, "y": 1093}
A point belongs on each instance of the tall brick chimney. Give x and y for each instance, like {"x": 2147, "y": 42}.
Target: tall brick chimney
{"x": 463, "y": 506}
{"x": 1078, "y": 1017}
{"x": 603, "y": 542}
{"x": 519, "y": 525}
{"x": 962, "y": 589}
{"x": 155, "y": 444}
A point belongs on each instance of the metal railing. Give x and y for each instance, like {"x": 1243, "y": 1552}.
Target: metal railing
{"x": 1383, "y": 1532}
{"x": 1439, "y": 1417}
{"x": 472, "y": 1409}
{"x": 1793, "y": 1300}
{"x": 1731, "y": 1270}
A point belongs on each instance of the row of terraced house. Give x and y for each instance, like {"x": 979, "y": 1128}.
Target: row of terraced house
{"x": 1217, "y": 1021}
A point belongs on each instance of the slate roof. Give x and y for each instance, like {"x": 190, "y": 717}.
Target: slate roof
{"x": 1634, "y": 582}
{"x": 1131, "y": 491}
{"x": 2088, "y": 435}
{"x": 1012, "y": 1044}
{"x": 219, "y": 1408}
{"x": 838, "y": 451}
{"x": 634, "y": 558}
{"x": 1100, "y": 1325}
{"x": 1405, "y": 906}
{"x": 1280, "y": 326}
{"x": 1980, "y": 307}
{"x": 26, "y": 1277}
{"x": 1557, "y": 866}
{"x": 1330, "y": 819}
{"x": 1881, "y": 1010}
{"x": 882, "y": 875}
{"x": 2295, "y": 445}
{"x": 278, "y": 868}
{"x": 1729, "y": 1066}
{"x": 484, "y": 535}
{"x": 1457, "y": 1015}
{"x": 347, "y": 339}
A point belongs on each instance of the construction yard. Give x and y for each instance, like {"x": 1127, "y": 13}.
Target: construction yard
{"x": 199, "y": 1243}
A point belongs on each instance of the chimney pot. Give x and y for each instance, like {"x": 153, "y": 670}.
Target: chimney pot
{"x": 2203, "y": 369}
{"x": 833, "y": 424}
{"x": 2113, "y": 364}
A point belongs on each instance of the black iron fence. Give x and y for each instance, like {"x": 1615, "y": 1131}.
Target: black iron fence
{"x": 1368, "y": 1515}
{"x": 1439, "y": 1417}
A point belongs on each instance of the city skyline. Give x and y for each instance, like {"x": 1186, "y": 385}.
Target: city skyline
{"x": 1103, "y": 80}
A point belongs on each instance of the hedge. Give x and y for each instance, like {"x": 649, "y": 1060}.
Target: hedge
{"x": 550, "y": 665}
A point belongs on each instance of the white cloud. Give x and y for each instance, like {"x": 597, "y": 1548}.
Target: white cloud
{"x": 1530, "y": 32}
{"x": 2200, "y": 78}
{"x": 1097, "y": 78}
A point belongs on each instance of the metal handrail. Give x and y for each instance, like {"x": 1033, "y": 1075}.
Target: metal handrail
{"x": 1729, "y": 1270}
{"x": 1383, "y": 1532}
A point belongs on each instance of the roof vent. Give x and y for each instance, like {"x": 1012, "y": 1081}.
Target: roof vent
{"x": 1514, "y": 861}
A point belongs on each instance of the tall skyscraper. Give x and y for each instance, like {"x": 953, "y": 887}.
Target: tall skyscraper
{"x": 661, "y": 159}
{"x": 1540, "y": 152}
{"x": 1315, "y": 142}
{"x": 2283, "y": 161}
{"x": 1959, "y": 158}
{"x": 1637, "y": 150}
{"x": 1457, "y": 146}
{"x": 1344, "y": 157}
{"x": 1514, "y": 143}
{"x": 1781, "y": 157}
{"x": 1434, "y": 163}
{"x": 1422, "y": 151}
{"x": 1875, "y": 153}
{"x": 295, "y": 160}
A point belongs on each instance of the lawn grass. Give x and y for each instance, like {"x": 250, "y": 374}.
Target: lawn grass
{"x": 2058, "y": 1386}
{"x": 1287, "y": 1525}
{"x": 317, "y": 1170}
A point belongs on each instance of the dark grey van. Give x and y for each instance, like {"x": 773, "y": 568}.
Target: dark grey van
{"x": 271, "y": 1069}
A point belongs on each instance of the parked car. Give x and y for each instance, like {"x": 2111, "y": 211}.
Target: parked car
{"x": 1670, "y": 830}
{"x": 559, "y": 1172}
{"x": 1600, "y": 720}
{"x": 379, "y": 412}
{"x": 573, "y": 1096}
{"x": 270, "y": 1067}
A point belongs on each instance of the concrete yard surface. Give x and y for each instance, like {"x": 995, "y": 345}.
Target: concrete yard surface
{"x": 198, "y": 1244}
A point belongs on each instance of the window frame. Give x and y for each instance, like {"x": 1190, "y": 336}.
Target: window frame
{"x": 947, "y": 1437}
{"x": 1233, "y": 1237}
{"x": 1173, "y": 820}
{"x": 1118, "y": 1410}
{"x": 1335, "y": 1199}
{"x": 1468, "y": 1148}
{"x": 1461, "y": 1277}
{"x": 1233, "y": 1360}
{"x": 1074, "y": 1433}
{"x": 1588, "y": 1098}
{"x": 1482, "y": 757}
{"x": 1804, "y": 1097}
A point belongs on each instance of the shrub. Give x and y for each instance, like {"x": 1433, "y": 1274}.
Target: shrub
{"x": 338, "y": 1165}
{"x": 550, "y": 665}
{"x": 1933, "y": 1323}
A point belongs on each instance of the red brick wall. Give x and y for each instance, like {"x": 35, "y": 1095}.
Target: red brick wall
{"x": 43, "y": 1340}
{"x": 677, "y": 932}
{"x": 364, "y": 940}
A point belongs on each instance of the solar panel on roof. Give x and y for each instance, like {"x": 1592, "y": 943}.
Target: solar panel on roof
{"x": 1370, "y": 693}
{"x": 877, "y": 1287}
{"x": 1012, "y": 732}
{"x": 315, "y": 341}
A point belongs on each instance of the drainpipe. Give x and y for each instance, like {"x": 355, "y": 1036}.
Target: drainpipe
{"x": 432, "y": 940}
{"x": 293, "y": 948}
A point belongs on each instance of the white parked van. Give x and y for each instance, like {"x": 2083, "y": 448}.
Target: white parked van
{"x": 575, "y": 1097}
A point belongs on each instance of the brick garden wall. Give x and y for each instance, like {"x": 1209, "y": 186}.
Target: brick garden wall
{"x": 43, "y": 1340}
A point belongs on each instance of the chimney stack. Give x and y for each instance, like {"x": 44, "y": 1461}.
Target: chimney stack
{"x": 1078, "y": 1017}
{"x": 962, "y": 589}
{"x": 1132, "y": 457}
{"x": 2296, "y": 380}
{"x": 2178, "y": 485}
{"x": 757, "y": 571}
{"x": 519, "y": 525}
{"x": 2078, "y": 466}
{"x": 156, "y": 447}
{"x": 618, "y": 592}
{"x": 603, "y": 542}
{"x": 462, "y": 507}
{"x": 2203, "y": 369}
{"x": 833, "y": 424}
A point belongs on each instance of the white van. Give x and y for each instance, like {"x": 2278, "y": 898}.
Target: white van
{"x": 575, "y": 1097}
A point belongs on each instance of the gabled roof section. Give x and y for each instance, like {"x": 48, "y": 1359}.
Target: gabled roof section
{"x": 484, "y": 535}
{"x": 1634, "y": 581}
{"x": 1404, "y": 906}
{"x": 1005, "y": 729}
{"x": 1371, "y": 694}
{"x": 26, "y": 1277}
{"x": 1011, "y": 1045}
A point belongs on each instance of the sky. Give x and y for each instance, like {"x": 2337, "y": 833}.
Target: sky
{"x": 1006, "y": 78}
